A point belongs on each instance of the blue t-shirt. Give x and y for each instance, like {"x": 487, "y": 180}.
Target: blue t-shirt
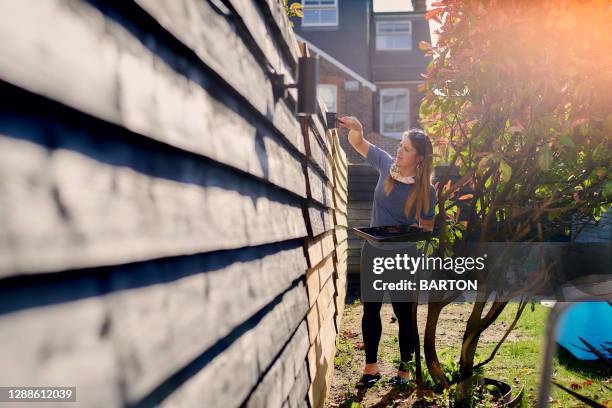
{"x": 389, "y": 210}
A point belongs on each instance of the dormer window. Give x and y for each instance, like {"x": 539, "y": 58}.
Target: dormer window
{"x": 320, "y": 13}
{"x": 394, "y": 35}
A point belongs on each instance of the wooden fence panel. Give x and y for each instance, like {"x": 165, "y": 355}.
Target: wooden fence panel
{"x": 145, "y": 216}
{"x": 168, "y": 222}
{"x": 250, "y": 355}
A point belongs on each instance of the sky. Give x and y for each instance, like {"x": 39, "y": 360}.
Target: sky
{"x": 392, "y": 5}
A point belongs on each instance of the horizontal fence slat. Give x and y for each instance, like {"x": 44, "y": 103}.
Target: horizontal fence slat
{"x": 136, "y": 89}
{"x": 362, "y": 170}
{"x": 317, "y": 125}
{"x": 254, "y": 20}
{"x": 341, "y": 219}
{"x": 320, "y": 219}
{"x": 321, "y": 361}
{"x": 118, "y": 215}
{"x": 217, "y": 385}
{"x": 320, "y": 190}
{"x": 277, "y": 13}
{"x": 299, "y": 392}
{"x": 356, "y": 213}
{"x": 363, "y": 204}
{"x": 354, "y": 195}
{"x": 312, "y": 318}
{"x": 165, "y": 327}
{"x": 326, "y": 269}
{"x": 318, "y": 155}
{"x": 278, "y": 382}
{"x": 341, "y": 234}
{"x": 59, "y": 345}
{"x": 318, "y": 248}
{"x": 157, "y": 316}
{"x": 217, "y": 44}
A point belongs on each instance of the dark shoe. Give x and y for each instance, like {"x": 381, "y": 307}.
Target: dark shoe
{"x": 399, "y": 381}
{"x": 367, "y": 381}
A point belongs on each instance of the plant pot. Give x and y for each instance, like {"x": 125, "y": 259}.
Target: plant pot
{"x": 464, "y": 390}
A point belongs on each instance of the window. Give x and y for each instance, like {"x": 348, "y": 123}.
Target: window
{"x": 329, "y": 96}
{"x": 320, "y": 13}
{"x": 394, "y": 112}
{"x": 394, "y": 35}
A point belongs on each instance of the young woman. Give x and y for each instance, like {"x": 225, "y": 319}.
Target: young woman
{"x": 403, "y": 190}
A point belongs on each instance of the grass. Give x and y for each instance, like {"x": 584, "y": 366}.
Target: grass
{"x": 517, "y": 361}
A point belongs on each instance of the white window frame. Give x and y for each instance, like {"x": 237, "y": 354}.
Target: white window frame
{"x": 306, "y": 7}
{"x": 334, "y": 89}
{"x": 394, "y": 92}
{"x": 409, "y": 32}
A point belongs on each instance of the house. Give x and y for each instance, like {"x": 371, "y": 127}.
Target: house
{"x": 370, "y": 64}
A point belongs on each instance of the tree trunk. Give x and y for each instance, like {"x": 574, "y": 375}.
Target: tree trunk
{"x": 429, "y": 344}
{"x": 470, "y": 340}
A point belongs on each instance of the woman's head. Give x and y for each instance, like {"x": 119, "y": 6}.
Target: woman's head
{"x": 415, "y": 150}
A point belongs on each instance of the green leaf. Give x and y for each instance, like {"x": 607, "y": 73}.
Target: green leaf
{"x": 545, "y": 157}
{"x": 607, "y": 189}
{"x": 506, "y": 171}
{"x": 567, "y": 141}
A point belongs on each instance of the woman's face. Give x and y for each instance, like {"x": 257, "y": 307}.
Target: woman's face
{"x": 406, "y": 154}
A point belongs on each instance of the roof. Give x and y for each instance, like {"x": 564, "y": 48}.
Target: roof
{"x": 338, "y": 64}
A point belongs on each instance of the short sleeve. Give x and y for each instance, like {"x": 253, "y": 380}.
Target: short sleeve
{"x": 378, "y": 158}
{"x": 429, "y": 215}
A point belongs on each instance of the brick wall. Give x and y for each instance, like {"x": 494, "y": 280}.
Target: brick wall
{"x": 386, "y": 143}
{"x": 358, "y": 103}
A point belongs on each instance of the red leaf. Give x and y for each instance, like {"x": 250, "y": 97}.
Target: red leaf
{"x": 575, "y": 386}
{"x": 424, "y": 45}
{"x": 434, "y": 14}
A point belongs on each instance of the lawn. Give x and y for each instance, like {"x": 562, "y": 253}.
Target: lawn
{"x": 516, "y": 362}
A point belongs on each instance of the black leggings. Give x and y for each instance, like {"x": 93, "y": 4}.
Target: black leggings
{"x": 372, "y": 329}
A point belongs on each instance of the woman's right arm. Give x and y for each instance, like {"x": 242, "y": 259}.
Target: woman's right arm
{"x": 355, "y": 136}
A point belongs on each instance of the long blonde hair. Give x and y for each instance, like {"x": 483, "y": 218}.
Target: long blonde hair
{"x": 422, "y": 180}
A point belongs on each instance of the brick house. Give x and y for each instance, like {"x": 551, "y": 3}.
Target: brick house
{"x": 370, "y": 64}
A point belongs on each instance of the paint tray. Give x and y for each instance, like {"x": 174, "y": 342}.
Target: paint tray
{"x": 393, "y": 233}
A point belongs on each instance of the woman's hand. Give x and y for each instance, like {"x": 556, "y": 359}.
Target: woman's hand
{"x": 355, "y": 134}
{"x": 351, "y": 123}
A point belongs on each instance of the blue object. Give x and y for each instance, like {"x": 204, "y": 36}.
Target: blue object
{"x": 590, "y": 320}
{"x": 389, "y": 210}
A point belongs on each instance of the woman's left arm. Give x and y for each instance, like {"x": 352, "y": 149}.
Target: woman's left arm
{"x": 426, "y": 221}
